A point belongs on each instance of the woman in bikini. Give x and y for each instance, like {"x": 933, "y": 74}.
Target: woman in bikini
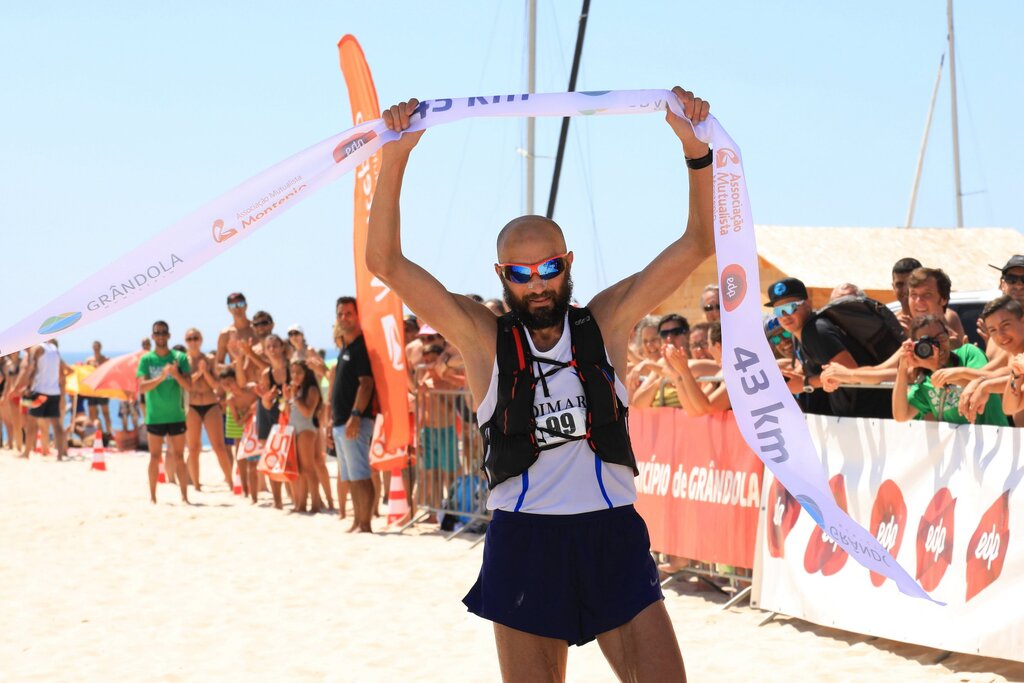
{"x": 11, "y": 399}
{"x": 204, "y": 410}
{"x": 303, "y": 397}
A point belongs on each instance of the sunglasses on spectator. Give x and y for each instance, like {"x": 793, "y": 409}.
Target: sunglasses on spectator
{"x": 294, "y": 333}
{"x": 430, "y": 337}
{"x": 712, "y": 307}
{"x": 192, "y": 339}
{"x": 260, "y": 323}
{"x": 776, "y": 339}
{"x": 787, "y": 309}
{"x": 672, "y": 332}
{"x": 1013, "y": 279}
{"x": 699, "y": 345}
{"x": 521, "y": 273}
{"x": 237, "y": 304}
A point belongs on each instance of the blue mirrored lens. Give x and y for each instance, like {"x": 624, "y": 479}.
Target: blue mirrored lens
{"x": 550, "y": 269}
{"x": 518, "y": 274}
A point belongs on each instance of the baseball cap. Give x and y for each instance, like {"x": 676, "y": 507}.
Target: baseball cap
{"x": 786, "y": 288}
{"x": 295, "y": 327}
{"x": 1016, "y": 261}
{"x": 427, "y": 329}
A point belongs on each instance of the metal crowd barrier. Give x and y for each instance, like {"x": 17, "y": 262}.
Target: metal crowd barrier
{"x": 449, "y": 482}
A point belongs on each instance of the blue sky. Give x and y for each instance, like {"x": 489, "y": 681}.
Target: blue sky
{"x": 120, "y": 118}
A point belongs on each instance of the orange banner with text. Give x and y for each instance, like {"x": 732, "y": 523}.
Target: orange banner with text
{"x": 380, "y": 309}
{"x": 699, "y": 486}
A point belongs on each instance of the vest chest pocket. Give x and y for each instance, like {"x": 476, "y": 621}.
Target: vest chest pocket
{"x": 556, "y": 428}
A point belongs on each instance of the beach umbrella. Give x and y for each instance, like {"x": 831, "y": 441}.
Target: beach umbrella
{"x": 77, "y": 384}
{"x": 117, "y": 373}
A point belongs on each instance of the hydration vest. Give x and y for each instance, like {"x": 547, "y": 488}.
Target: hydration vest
{"x": 510, "y": 436}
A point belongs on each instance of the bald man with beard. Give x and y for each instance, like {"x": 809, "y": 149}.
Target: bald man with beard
{"x": 567, "y": 558}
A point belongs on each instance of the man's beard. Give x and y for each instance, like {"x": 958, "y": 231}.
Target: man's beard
{"x": 544, "y": 318}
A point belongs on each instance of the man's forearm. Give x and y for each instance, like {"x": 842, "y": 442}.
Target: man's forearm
{"x": 384, "y": 242}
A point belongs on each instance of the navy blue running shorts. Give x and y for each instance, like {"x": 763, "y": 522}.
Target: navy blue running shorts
{"x": 569, "y": 577}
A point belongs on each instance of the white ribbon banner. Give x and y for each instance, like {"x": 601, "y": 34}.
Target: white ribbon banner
{"x": 768, "y": 417}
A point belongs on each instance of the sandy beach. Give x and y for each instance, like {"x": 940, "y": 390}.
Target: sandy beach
{"x": 100, "y": 585}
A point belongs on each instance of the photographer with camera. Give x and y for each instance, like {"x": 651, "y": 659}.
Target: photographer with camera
{"x": 928, "y": 352}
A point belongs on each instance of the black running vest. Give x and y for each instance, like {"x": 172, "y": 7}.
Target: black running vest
{"x": 510, "y": 441}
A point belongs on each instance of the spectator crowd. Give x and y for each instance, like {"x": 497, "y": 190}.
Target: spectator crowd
{"x": 854, "y": 357}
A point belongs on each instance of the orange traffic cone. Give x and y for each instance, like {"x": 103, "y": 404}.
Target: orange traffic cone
{"x": 42, "y": 442}
{"x": 236, "y": 483}
{"x": 99, "y": 461}
{"x": 161, "y": 477}
{"x": 398, "y": 506}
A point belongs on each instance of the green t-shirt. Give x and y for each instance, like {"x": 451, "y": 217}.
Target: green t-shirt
{"x": 942, "y": 403}
{"x": 165, "y": 403}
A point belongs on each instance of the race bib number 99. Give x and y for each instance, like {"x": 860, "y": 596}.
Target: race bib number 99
{"x": 557, "y": 428}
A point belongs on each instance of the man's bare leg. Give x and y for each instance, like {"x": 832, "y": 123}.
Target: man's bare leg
{"x": 108, "y": 425}
{"x": 375, "y": 499}
{"x": 528, "y": 658}
{"x": 31, "y": 430}
{"x": 156, "y": 445}
{"x": 366, "y": 495}
{"x": 645, "y": 648}
{"x": 343, "y": 488}
{"x": 60, "y": 437}
{"x": 176, "y": 451}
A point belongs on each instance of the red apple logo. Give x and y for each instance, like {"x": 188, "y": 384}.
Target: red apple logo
{"x": 783, "y": 512}
{"x": 935, "y": 540}
{"x": 987, "y": 549}
{"x": 822, "y": 552}
{"x": 888, "y": 521}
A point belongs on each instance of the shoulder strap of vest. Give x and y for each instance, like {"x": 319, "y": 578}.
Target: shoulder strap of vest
{"x": 512, "y": 349}
{"x": 587, "y": 342}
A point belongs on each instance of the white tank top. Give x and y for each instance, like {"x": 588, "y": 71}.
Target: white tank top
{"x": 569, "y": 478}
{"x": 47, "y": 377}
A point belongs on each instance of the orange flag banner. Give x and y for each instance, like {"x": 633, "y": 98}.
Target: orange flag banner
{"x": 380, "y": 310}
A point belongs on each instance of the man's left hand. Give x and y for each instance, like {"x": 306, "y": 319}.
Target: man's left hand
{"x": 352, "y": 427}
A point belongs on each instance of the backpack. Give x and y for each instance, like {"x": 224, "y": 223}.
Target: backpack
{"x": 868, "y": 323}
{"x": 468, "y": 493}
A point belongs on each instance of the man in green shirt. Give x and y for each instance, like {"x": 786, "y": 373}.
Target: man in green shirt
{"x": 927, "y": 354}
{"x": 164, "y": 376}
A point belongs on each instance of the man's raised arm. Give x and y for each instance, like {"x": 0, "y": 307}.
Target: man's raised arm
{"x": 624, "y": 303}
{"x": 456, "y": 317}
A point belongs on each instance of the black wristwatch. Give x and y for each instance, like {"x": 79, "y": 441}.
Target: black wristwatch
{"x": 356, "y": 413}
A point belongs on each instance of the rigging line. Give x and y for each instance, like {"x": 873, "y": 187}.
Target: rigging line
{"x": 441, "y": 243}
{"x": 974, "y": 140}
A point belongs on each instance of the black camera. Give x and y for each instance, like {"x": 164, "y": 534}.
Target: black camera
{"x": 925, "y": 347}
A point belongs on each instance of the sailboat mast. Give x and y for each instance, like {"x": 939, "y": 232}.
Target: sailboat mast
{"x": 956, "y": 137}
{"x": 531, "y": 84}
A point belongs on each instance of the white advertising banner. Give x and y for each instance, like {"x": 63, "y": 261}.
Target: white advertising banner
{"x": 943, "y": 499}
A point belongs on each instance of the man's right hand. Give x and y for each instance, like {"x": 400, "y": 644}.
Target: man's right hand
{"x": 397, "y": 117}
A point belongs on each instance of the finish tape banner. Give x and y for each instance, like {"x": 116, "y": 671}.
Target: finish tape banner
{"x": 699, "y": 487}
{"x": 770, "y": 420}
{"x": 768, "y": 416}
{"x": 944, "y": 499}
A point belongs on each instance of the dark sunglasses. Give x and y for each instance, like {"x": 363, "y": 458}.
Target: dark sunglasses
{"x": 521, "y": 273}
{"x": 237, "y": 304}
{"x": 294, "y": 333}
{"x": 260, "y": 323}
{"x": 192, "y": 339}
{"x": 712, "y": 307}
{"x": 1013, "y": 279}
{"x": 699, "y": 345}
{"x": 777, "y": 338}
{"x": 665, "y": 334}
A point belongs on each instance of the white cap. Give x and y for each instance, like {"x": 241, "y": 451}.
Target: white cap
{"x": 295, "y": 327}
